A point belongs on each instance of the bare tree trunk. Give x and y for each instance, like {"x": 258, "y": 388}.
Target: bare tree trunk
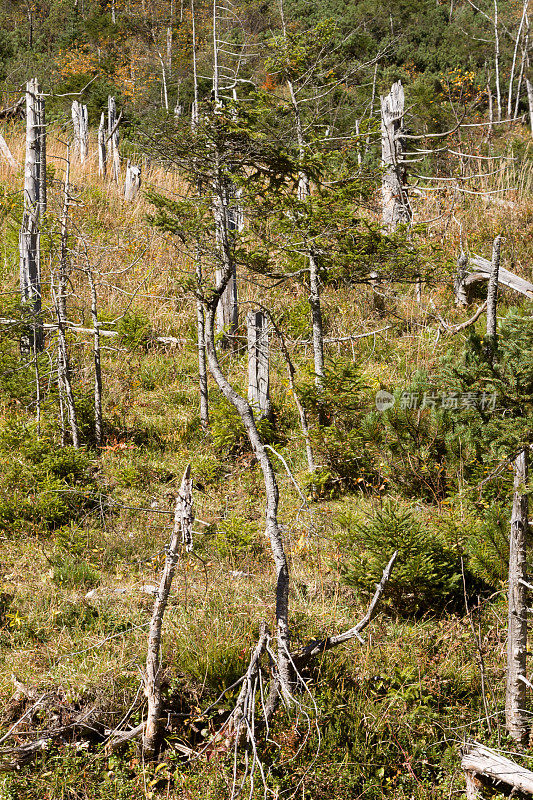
{"x": 102, "y": 150}
{"x": 314, "y": 278}
{"x": 273, "y": 530}
{"x": 80, "y": 121}
{"x": 516, "y": 713}
{"x": 202, "y": 367}
{"x": 98, "y": 417}
{"x": 497, "y": 61}
{"x": 132, "y": 183}
{"x": 258, "y": 363}
{"x": 6, "y": 152}
{"x": 61, "y": 309}
{"x": 30, "y": 277}
{"x": 183, "y": 518}
{"x": 513, "y": 64}
{"x": 227, "y": 313}
{"x": 461, "y": 298}
{"x": 491, "y": 110}
{"x": 396, "y": 210}
{"x": 42, "y": 150}
{"x": 113, "y": 137}
{"x": 529, "y": 87}
{"x": 492, "y": 299}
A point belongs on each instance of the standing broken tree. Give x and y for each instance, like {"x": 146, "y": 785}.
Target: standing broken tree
{"x": 396, "y": 210}
{"x": 34, "y": 203}
{"x": 80, "y": 122}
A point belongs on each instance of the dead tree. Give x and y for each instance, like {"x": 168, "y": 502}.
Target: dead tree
{"x": 132, "y": 183}
{"x": 113, "y": 138}
{"x": 6, "y": 152}
{"x": 227, "y": 314}
{"x": 516, "y": 714}
{"x": 396, "y": 209}
{"x": 102, "y": 150}
{"x": 65, "y": 383}
{"x": 459, "y": 287}
{"x": 258, "y": 363}
{"x": 183, "y": 520}
{"x": 98, "y": 416}
{"x": 34, "y": 201}
{"x": 529, "y": 87}
{"x": 80, "y": 121}
{"x": 484, "y": 767}
{"x": 492, "y": 299}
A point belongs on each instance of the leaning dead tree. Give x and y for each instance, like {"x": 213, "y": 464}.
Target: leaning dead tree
{"x": 258, "y": 363}
{"x": 395, "y": 210}
{"x": 80, "y": 121}
{"x": 183, "y": 521}
{"x": 113, "y": 138}
{"x": 132, "y": 183}
{"x": 34, "y": 204}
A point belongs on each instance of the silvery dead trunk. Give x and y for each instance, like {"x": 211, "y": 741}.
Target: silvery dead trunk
{"x": 258, "y": 363}
{"x": 29, "y": 240}
{"x": 183, "y": 520}
{"x": 396, "y": 210}
{"x": 492, "y": 299}
{"x": 6, "y": 152}
{"x": 113, "y": 138}
{"x": 80, "y": 121}
{"x": 227, "y": 314}
{"x": 132, "y": 183}
{"x": 102, "y": 150}
{"x": 61, "y": 310}
{"x": 459, "y": 287}
{"x": 497, "y": 61}
{"x": 42, "y": 151}
{"x": 98, "y": 416}
{"x": 516, "y": 713}
{"x": 529, "y": 87}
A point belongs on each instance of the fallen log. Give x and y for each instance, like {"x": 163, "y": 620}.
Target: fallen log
{"x": 505, "y": 278}
{"x": 486, "y": 767}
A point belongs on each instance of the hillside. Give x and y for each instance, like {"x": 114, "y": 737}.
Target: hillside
{"x": 404, "y": 438}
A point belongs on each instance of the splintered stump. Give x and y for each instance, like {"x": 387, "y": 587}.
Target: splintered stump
{"x": 132, "y": 183}
{"x": 396, "y": 209}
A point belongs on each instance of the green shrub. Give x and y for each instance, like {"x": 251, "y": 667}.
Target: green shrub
{"x": 134, "y": 330}
{"x": 427, "y": 574}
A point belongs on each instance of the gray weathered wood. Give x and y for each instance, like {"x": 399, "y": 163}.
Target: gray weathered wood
{"x": 98, "y": 415}
{"x": 258, "y": 363}
{"x": 396, "y": 210}
{"x": 153, "y": 676}
{"x": 29, "y": 238}
{"x": 227, "y": 312}
{"x": 102, "y": 150}
{"x": 459, "y": 287}
{"x": 529, "y": 87}
{"x": 6, "y": 152}
{"x": 132, "y": 183}
{"x": 516, "y": 713}
{"x": 505, "y": 278}
{"x": 479, "y": 760}
{"x": 113, "y": 138}
{"x": 80, "y": 121}
{"x": 492, "y": 292}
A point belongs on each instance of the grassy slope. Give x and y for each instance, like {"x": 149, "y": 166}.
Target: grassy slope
{"x": 391, "y": 712}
